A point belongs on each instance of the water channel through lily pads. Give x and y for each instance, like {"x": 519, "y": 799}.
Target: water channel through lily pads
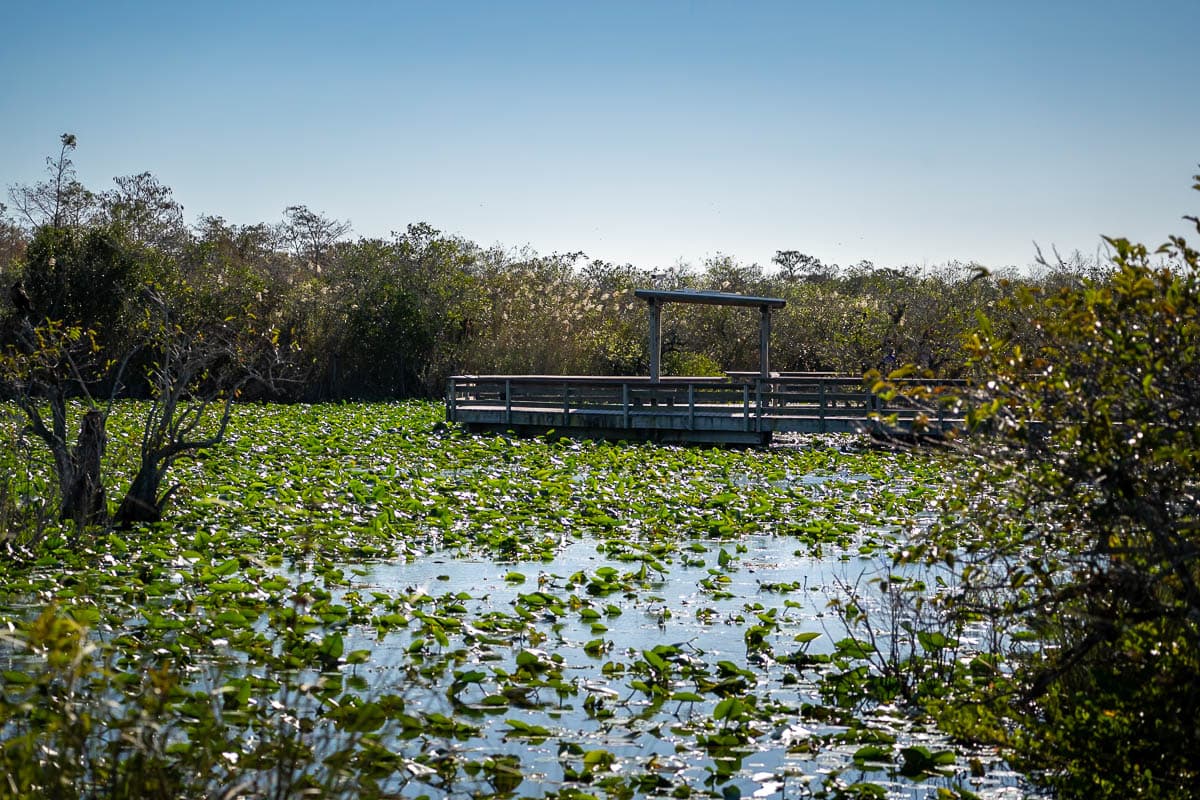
{"x": 529, "y": 617}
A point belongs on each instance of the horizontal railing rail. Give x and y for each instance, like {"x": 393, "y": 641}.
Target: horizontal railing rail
{"x": 753, "y": 403}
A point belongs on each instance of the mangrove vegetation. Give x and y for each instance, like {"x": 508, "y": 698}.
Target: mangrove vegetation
{"x": 244, "y": 555}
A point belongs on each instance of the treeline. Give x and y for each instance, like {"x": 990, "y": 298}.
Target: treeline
{"x": 371, "y": 318}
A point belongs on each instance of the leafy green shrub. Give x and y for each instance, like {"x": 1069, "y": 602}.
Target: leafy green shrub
{"x": 1080, "y": 531}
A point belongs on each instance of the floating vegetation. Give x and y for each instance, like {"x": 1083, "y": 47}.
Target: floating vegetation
{"x": 357, "y": 600}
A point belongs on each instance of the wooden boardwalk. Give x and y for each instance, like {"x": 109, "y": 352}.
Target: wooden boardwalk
{"x": 737, "y": 409}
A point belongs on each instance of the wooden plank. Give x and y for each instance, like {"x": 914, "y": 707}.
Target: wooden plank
{"x": 656, "y": 296}
{"x": 708, "y": 408}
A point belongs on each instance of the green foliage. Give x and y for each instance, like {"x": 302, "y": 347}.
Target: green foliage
{"x": 87, "y": 278}
{"x": 1082, "y": 533}
{"x": 394, "y": 317}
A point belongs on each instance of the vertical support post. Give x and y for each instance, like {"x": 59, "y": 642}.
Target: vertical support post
{"x": 691, "y": 406}
{"x": 764, "y": 342}
{"x": 758, "y": 402}
{"x": 625, "y": 403}
{"x": 746, "y": 405}
{"x": 450, "y": 404}
{"x": 566, "y": 404}
{"x": 655, "y": 340}
{"x": 821, "y": 395}
{"x": 507, "y": 402}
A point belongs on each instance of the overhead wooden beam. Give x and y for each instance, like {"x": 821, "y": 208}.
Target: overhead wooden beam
{"x": 708, "y": 298}
{"x": 655, "y": 298}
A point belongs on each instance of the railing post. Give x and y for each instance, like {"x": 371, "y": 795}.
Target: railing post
{"x": 625, "y": 403}
{"x": 691, "y": 406}
{"x": 451, "y": 406}
{"x": 746, "y": 405}
{"x": 821, "y": 405}
{"x": 758, "y": 402}
{"x": 507, "y": 402}
{"x": 566, "y": 405}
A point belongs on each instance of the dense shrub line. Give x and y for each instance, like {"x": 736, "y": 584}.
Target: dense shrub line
{"x": 372, "y": 318}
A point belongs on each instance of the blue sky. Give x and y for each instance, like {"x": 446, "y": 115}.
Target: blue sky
{"x": 907, "y": 133}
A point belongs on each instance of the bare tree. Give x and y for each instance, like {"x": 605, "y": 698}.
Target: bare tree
{"x": 197, "y": 375}
{"x": 59, "y": 202}
{"x": 47, "y": 365}
{"x": 311, "y": 235}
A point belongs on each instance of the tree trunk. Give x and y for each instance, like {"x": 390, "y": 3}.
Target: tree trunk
{"x": 83, "y": 492}
{"x": 142, "y": 503}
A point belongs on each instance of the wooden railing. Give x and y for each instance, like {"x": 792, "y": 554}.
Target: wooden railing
{"x": 789, "y": 401}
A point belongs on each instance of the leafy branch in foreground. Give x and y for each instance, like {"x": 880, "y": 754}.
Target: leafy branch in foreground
{"x": 1080, "y": 529}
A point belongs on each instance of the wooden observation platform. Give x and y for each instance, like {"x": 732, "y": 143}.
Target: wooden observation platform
{"x": 744, "y": 408}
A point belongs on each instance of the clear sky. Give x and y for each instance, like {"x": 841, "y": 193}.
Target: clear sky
{"x": 907, "y": 133}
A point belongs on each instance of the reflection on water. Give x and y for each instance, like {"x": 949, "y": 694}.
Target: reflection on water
{"x": 704, "y": 608}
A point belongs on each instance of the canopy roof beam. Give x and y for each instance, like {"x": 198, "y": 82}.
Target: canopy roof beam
{"x": 655, "y": 298}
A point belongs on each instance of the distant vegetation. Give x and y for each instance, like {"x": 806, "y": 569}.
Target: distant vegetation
{"x": 373, "y": 318}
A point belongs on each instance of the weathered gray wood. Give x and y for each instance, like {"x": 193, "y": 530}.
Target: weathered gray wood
{"x": 764, "y": 342}
{"x": 822, "y": 401}
{"x": 707, "y": 298}
{"x": 700, "y": 410}
{"x": 655, "y": 340}
{"x": 655, "y": 298}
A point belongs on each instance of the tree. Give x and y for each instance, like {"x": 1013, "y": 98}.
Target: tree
{"x": 795, "y": 266}
{"x": 1084, "y": 518}
{"x": 146, "y": 209}
{"x": 87, "y": 277}
{"x": 197, "y": 371}
{"x": 12, "y": 243}
{"x": 45, "y": 366}
{"x": 71, "y": 339}
{"x": 59, "y": 202}
{"x": 91, "y": 311}
{"x": 311, "y": 235}
{"x": 194, "y": 371}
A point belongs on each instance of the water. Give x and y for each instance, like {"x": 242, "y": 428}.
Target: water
{"x": 704, "y": 605}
